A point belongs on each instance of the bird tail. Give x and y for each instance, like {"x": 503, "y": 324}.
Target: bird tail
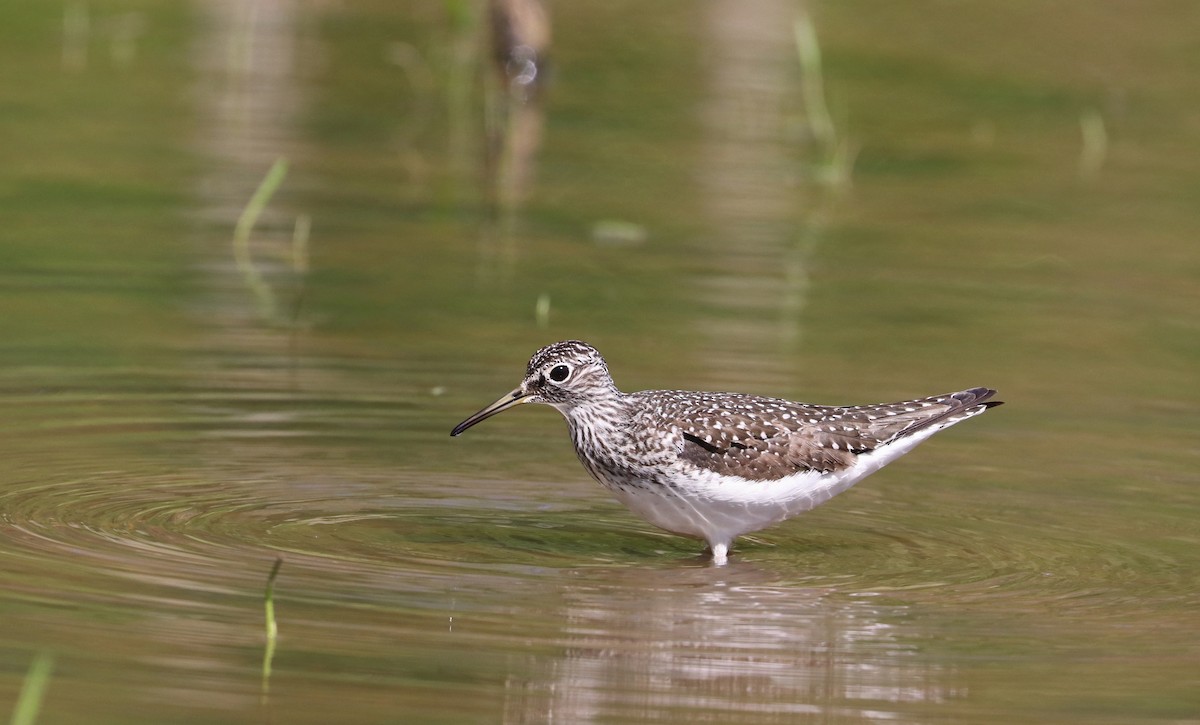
{"x": 959, "y": 407}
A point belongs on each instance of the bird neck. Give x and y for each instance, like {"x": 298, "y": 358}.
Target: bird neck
{"x": 600, "y": 416}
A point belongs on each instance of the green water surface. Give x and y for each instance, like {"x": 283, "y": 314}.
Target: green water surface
{"x": 1002, "y": 195}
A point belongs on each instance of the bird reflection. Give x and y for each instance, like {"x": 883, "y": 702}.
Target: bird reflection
{"x": 641, "y": 644}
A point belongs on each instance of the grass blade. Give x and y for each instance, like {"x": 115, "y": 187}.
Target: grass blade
{"x": 272, "y": 629}
{"x": 33, "y": 690}
{"x": 241, "y": 238}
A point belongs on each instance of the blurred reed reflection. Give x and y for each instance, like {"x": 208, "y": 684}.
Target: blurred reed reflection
{"x": 514, "y": 119}
{"x": 773, "y": 169}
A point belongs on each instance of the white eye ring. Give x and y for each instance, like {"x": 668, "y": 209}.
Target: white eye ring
{"x": 559, "y": 373}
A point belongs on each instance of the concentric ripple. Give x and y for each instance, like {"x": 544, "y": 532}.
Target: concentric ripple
{"x": 188, "y": 495}
{"x": 214, "y": 532}
{"x": 143, "y": 487}
{"x": 119, "y": 534}
{"x": 1026, "y": 563}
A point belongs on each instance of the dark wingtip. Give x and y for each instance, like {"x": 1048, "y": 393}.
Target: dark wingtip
{"x": 978, "y": 396}
{"x": 972, "y": 400}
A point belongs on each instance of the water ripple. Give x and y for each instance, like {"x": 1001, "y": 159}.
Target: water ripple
{"x": 199, "y": 490}
{"x": 995, "y": 562}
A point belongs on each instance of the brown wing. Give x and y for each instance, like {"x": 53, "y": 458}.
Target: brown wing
{"x": 767, "y": 438}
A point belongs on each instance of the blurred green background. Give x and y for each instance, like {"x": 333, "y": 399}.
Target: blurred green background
{"x": 833, "y": 202}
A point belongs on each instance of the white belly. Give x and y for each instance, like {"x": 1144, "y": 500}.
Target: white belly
{"x": 718, "y": 508}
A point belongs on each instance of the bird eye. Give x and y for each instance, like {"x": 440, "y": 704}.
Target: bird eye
{"x": 560, "y": 373}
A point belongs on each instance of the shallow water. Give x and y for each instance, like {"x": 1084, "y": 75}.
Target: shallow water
{"x": 1000, "y": 196}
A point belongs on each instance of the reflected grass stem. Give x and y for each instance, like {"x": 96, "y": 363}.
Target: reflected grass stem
{"x": 267, "y": 306}
{"x": 272, "y": 628}
{"x": 33, "y": 690}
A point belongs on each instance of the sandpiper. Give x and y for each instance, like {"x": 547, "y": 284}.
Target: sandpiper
{"x": 715, "y": 466}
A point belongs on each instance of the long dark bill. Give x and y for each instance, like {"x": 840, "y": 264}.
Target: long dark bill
{"x": 511, "y": 400}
